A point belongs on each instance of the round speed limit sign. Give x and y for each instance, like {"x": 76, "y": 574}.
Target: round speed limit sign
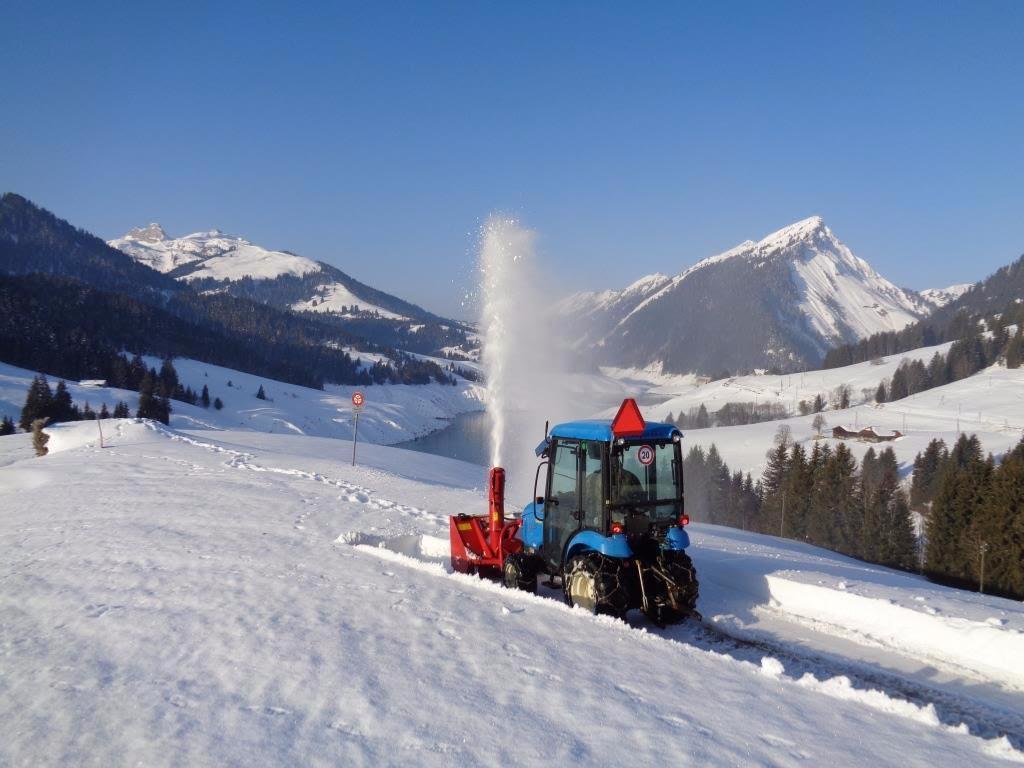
{"x": 358, "y": 399}
{"x": 645, "y": 455}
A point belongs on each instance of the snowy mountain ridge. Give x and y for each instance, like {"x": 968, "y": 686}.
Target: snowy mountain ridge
{"x": 940, "y": 297}
{"x": 806, "y": 288}
{"x": 282, "y": 277}
{"x": 212, "y": 254}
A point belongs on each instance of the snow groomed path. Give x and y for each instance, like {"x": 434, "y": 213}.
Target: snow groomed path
{"x": 233, "y": 597}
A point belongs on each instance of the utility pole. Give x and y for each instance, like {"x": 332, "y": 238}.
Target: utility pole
{"x": 982, "y": 548}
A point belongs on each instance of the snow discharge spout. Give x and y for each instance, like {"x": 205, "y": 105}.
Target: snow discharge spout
{"x": 510, "y": 322}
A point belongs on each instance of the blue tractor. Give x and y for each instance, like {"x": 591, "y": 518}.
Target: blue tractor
{"x": 609, "y": 526}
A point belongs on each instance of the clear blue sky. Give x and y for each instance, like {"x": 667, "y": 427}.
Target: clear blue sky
{"x": 635, "y": 137}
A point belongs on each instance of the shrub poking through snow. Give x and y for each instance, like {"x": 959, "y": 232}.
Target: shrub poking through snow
{"x": 40, "y": 438}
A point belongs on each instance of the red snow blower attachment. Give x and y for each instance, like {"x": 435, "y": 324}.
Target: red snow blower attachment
{"x": 481, "y": 542}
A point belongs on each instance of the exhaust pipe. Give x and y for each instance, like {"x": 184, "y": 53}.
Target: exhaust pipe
{"x": 496, "y": 499}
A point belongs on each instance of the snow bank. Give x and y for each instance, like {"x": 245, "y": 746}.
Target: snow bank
{"x": 976, "y": 635}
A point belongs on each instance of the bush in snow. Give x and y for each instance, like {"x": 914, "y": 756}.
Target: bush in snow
{"x": 40, "y": 438}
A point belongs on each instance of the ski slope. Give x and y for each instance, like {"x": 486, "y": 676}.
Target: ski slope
{"x": 236, "y": 597}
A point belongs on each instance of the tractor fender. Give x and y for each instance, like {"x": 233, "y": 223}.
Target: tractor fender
{"x": 610, "y": 546}
{"x": 532, "y": 530}
{"x": 676, "y": 538}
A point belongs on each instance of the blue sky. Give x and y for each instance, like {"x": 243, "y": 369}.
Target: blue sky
{"x": 634, "y": 137}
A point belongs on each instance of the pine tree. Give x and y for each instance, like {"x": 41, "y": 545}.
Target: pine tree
{"x": 205, "y": 397}
{"x": 104, "y": 413}
{"x": 217, "y": 403}
{"x": 62, "y": 408}
{"x": 87, "y": 413}
{"x": 898, "y": 385}
{"x": 951, "y": 545}
{"x": 167, "y": 380}
{"x": 797, "y": 491}
{"x": 38, "y": 403}
{"x": 999, "y": 525}
{"x": 261, "y": 395}
{"x": 873, "y": 499}
{"x": 888, "y": 531}
{"x": 819, "y": 403}
{"x": 937, "y": 371}
{"x": 703, "y": 419}
{"x": 7, "y": 426}
{"x": 136, "y": 372}
{"x": 1014, "y": 350}
{"x": 772, "y": 482}
{"x": 149, "y": 401}
{"x": 121, "y": 410}
{"x": 880, "y": 393}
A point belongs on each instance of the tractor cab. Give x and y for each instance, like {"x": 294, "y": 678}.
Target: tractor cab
{"x": 604, "y": 491}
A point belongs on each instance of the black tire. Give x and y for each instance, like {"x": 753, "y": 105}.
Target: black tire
{"x": 591, "y": 582}
{"x": 519, "y": 572}
{"x": 681, "y": 588}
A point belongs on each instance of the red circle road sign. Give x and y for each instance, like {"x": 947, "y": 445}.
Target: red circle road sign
{"x": 358, "y": 399}
{"x": 645, "y": 455}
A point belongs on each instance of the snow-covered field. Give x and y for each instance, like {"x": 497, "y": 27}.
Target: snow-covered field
{"x": 198, "y": 598}
{"x": 393, "y": 412}
{"x": 989, "y": 404}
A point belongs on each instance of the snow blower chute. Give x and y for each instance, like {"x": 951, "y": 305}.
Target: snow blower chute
{"x": 609, "y": 525}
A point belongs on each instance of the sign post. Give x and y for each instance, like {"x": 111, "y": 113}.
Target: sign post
{"x": 357, "y": 408}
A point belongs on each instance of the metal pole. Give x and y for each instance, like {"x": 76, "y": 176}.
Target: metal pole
{"x": 355, "y": 437}
{"x": 99, "y": 426}
{"x": 984, "y": 549}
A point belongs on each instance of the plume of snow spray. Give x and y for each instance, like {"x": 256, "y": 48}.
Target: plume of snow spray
{"x": 508, "y": 321}
{"x": 532, "y": 372}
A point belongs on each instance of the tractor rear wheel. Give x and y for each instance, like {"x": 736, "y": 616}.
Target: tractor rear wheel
{"x": 592, "y": 584}
{"x": 519, "y": 572}
{"x": 681, "y": 588}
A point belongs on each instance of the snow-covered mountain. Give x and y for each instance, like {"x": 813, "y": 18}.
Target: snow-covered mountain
{"x": 940, "y": 297}
{"x": 286, "y": 279}
{"x": 781, "y": 301}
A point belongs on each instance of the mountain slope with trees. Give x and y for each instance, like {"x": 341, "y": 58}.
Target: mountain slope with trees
{"x": 69, "y": 303}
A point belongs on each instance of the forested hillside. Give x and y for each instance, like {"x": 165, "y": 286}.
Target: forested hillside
{"x": 69, "y": 303}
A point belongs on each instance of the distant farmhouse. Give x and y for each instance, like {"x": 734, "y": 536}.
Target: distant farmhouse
{"x": 868, "y": 434}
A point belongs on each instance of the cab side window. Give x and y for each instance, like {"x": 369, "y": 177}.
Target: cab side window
{"x": 564, "y": 471}
{"x": 593, "y": 488}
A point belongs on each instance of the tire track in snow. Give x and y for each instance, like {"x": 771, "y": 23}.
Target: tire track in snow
{"x": 355, "y": 493}
{"x": 1001, "y": 731}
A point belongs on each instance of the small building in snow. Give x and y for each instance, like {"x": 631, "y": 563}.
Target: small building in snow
{"x": 868, "y": 434}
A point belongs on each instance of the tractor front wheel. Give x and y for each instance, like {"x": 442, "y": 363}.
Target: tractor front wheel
{"x": 518, "y": 572}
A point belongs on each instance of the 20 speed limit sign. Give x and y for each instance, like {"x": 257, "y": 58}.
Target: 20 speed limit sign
{"x": 645, "y": 455}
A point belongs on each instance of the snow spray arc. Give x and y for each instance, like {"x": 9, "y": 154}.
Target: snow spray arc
{"x": 509, "y": 338}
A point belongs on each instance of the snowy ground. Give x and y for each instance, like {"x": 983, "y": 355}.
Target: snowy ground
{"x": 392, "y": 413}
{"x": 223, "y": 598}
{"x": 989, "y": 404}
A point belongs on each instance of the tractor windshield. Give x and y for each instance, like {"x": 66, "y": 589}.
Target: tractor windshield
{"x": 647, "y": 476}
